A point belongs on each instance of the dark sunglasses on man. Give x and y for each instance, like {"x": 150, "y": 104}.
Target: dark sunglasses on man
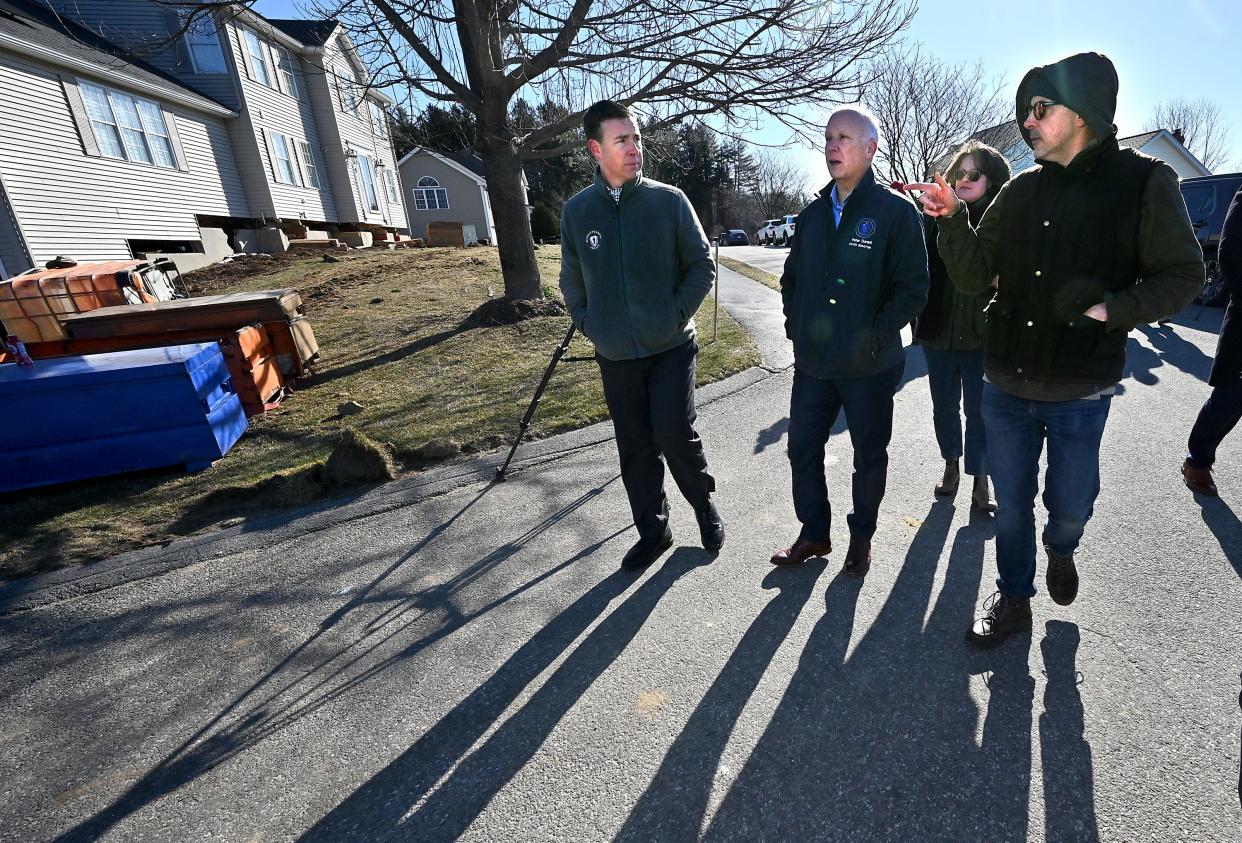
{"x": 971, "y": 176}
{"x": 1040, "y": 108}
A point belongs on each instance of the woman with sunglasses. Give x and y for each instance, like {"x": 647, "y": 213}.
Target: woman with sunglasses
{"x": 951, "y": 329}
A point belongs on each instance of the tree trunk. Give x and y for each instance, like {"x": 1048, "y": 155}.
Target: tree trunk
{"x": 517, "y": 249}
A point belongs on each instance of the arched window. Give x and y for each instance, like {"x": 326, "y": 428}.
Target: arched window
{"x": 429, "y": 196}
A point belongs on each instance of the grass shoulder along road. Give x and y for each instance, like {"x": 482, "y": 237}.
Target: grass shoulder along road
{"x": 392, "y": 339}
{"x": 752, "y": 272}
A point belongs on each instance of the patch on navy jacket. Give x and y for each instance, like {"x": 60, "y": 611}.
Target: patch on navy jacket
{"x": 863, "y": 233}
{"x": 594, "y": 239}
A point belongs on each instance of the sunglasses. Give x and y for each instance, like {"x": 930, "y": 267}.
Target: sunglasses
{"x": 1040, "y": 109}
{"x": 971, "y": 176}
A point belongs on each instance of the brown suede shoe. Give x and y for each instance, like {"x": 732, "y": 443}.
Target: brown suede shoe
{"x": 1198, "y": 479}
{"x": 801, "y": 551}
{"x": 858, "y": 558}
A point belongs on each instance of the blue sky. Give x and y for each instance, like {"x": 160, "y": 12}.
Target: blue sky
{"x": 1162, "y": 48}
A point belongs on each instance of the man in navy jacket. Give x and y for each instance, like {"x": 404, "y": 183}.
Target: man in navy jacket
{"x": 857, "y": 273}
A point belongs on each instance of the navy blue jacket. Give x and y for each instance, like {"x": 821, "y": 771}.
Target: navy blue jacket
{"x": 849, "y": 290}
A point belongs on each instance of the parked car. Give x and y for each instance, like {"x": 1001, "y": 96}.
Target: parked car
{"x": 1207, "y": 200}
{"x": 734, "y": 237}
{"x": 766, "y": 235}
{"x": 785, "y": 230}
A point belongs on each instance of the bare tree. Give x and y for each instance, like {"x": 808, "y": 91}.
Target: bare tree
{"x": 925, "y": 107}
{"x": 780, "y": 184}
{"x": 1205, "y": 131}
{"x": 732, "y": 60}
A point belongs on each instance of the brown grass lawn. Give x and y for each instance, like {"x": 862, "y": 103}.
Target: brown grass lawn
{"x": 752, "y": 272}
{"x": 390, "y": 335}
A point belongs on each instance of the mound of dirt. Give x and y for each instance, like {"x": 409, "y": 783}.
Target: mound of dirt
{"x": 241, "y": 268}
{"x": 504, "y": 311}
{"x": 356, "y": 460}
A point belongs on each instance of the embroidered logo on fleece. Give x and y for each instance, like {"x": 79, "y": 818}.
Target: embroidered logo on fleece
{"x": 863, "y": 233}
{"x": 594, "y": 240}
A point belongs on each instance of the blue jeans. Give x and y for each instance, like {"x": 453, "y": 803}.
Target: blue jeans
{"x": 954, "y": 375}
{"x": 1219, "y": 415}
{"x": 1017, "y": 429}
{"x": 813, "y": 408}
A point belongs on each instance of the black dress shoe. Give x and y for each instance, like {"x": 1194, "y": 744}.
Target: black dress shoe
{"x": 711, "y": 528}
{"x": 952, "y": 476}
{"x": 1061, "y": 579}
{"x": 800, "y": 551}
{"x": 1005, "y": 616}
{"x": 858, "y": 558}
{"x": 647, "y": 550}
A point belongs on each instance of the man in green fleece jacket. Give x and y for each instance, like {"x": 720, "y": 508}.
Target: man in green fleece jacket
{"x": 635, "y": 266}
{"x": 1084, "y": 246}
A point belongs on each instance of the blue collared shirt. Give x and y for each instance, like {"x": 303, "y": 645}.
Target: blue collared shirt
{"x": 838, "y": 207}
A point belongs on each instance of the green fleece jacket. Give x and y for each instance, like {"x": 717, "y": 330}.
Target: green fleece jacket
{"x": 633, "y": 272}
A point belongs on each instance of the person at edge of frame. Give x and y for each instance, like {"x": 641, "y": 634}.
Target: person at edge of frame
{"x": 856, "y": 275}
{"x": 950, "y": 331}
{"x": 635, "y": 266}
{"x": 1220, "y": 414}
{"x": 1068, "y": 240}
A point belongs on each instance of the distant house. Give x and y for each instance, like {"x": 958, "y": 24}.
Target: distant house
{"x": 439, "y": 187}
{"x": 1163, "y": 144}
{"x": 132, "y": 130}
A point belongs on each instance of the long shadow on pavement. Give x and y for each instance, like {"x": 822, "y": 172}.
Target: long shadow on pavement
{"x": 884, "y": 741}
{"x": 291, "y": 691}
{"x": 1176, "y": 351}
{"x": 673, "y": 805}
{"x": 377, "y": 810}
{"x": 1225, "y": 525}
{"x": 1069, "y": 782}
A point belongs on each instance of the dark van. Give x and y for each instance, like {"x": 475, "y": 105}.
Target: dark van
{"x": 1207, "y": 200}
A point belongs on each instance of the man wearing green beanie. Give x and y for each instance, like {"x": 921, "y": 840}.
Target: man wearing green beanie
{"x": 1067, "y": 243}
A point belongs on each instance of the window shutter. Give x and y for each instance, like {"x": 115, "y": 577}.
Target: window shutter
{"x": 245, "y": 50}
{"x": 170, "y": 122}
{"x": 78, "y": 110}
{"x": 271, "y": 154}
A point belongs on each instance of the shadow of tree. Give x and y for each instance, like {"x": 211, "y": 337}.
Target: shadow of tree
{"x": 378, "y": 809}
{"x": 291, "y": 690}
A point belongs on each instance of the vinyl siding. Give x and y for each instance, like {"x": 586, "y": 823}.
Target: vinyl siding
{"x": 339, "y": 129}
{"x": 266, "y": 110}
{"x": 1164, "y": 149}
{"x": 465, "y": 200}
{"x": 71, "y": 203}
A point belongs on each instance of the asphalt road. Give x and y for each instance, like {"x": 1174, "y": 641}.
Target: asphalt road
{"x": 444, "y": 657}
{"x": 770, "y": 258}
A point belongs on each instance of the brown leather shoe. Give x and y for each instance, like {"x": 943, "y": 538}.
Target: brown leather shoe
{"x": 858, "y": 558}
{"x": 800, "y": 551}
{"x": 1198, "y": 479}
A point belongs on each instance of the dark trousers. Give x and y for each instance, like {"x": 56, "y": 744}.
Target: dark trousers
{"x": 651, "y": 401}
{"x": 813, "y": 409}
{"x": 956, "y": 381}
{"x": 1219, "y": 416}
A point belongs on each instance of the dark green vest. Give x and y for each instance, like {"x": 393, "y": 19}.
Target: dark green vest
{"x": 1070, "y": 235}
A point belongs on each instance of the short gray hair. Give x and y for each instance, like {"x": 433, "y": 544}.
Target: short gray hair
{"x": 863, "y": 116}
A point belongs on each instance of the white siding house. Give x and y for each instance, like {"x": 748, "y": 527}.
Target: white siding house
{"x": 107, "y": 155}
{"x": 145, "y": 130}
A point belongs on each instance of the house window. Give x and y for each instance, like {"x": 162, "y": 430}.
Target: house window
{"x": 368, "y": 182}
{"x": 377, "y": 118}
{"x": 282, "y": 164}
{"x": 128, "y": 127}
{"x": 345, "y": 89}
{"x": 390, "y": 185}
{"x": 258, "y": 58}
{"x": 284, "y": 63}
{"x": 429, "y": 196}
{"x": 308, "y": 165}
{"x": 202, "y": 42}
